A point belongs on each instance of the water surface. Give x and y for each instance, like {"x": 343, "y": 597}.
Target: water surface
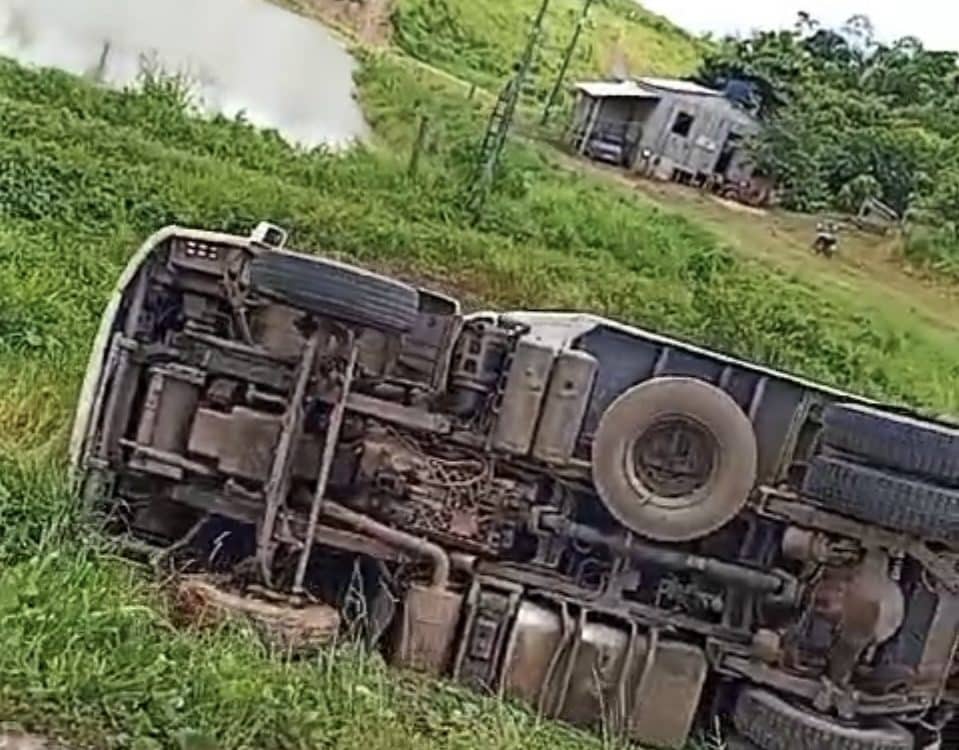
{"x": 279, "y": 69}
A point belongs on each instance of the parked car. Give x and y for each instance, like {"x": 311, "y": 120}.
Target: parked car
{"x": 619, "y": 528}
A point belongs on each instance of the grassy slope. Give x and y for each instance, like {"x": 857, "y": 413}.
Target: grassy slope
{"x": 480, "y": 41}
{"x": 85, "y": 644}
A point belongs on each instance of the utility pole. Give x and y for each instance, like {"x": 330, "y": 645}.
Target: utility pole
{"x": 501, "y": 119}
{"x": 567, "y": 59}
{"x": 418, "y": 145}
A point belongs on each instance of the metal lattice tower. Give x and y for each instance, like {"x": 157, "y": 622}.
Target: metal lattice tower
{"x": 501, "y": 118}
{"x": 567, "y": 59}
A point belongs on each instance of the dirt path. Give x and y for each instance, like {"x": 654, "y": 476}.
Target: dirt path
{"x": 868, "y": 270}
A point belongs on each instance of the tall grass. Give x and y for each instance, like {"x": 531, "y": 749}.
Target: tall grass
{"x": 86, "y": 645}
{"x": 934, "y": 249}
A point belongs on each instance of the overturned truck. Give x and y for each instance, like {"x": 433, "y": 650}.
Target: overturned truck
{"x": 615, "y": 527}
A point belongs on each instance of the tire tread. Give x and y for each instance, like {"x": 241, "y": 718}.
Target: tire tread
{"x": 772, "y": 724}
{"x": 907, "y": 444}
{"x": 890, "y": 500}
{"x": 336, "y": 290}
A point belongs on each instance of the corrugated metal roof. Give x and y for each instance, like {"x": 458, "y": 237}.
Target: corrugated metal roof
{"x": 677, "y": 85}
{"x": 609, "y": 89}
{"x": 647, "y": 87}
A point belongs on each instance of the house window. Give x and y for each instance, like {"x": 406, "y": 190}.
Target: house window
{"x": 683, "y": 124}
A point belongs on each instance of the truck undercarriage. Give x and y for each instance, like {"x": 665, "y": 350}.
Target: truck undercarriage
{"x": 614, "y": 527}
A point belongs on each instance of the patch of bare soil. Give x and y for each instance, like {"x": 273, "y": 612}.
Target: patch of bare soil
{"x": 204, "y": 602}
{"x": 367, "y": 20}
{"x": 20, "y": 741}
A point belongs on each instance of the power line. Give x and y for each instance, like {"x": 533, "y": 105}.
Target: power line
{"x": 567, "y": 59}
{"x": 501, "y": 118}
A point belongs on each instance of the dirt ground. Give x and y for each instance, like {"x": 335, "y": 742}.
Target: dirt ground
{"x": 366, "y": 20}
{"x": 19, "y": 741}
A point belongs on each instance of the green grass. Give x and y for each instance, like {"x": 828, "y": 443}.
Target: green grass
{"x": 480, "y": 42}
{"x": 86, "y": 645}
{"x": 88, "y": 653}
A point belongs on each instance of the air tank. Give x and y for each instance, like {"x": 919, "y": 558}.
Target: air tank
{"x": 566, "y": 401}
{"x": 523, "y": 396}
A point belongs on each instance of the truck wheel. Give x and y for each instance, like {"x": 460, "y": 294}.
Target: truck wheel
{"x": 893, "y": 501}
{"x": 674, "y": 458}
{"x": 773, "y": 724}
{"x": 335, "y": 290}
{"x": 898, "y": 442}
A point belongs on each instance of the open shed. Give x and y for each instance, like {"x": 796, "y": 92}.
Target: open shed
{"x": 666, "y": 127}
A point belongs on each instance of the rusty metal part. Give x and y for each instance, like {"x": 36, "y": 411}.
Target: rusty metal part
{"x": 850, "y": 702}
{"x": 428, "y": 628}
{"x": 866, "y": 606}
{"x": 234, "y": 296}
{"x": 279, "y": 482}
{"x": 784, "y": 505}
{"x": 803, "y": 545}
{"x": 727, "y": 573}
{"x": 396, "y": 414}
{"x": 329, "y": 450}
{"x": 646, "y": 614}
{"x": 290, "y": 528}
{"x": 451, "y": 496}
{"x": 938, "y": 657}
{"x": 414, "y": 545}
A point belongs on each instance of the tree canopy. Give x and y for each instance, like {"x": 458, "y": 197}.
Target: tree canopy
{"x": 849, "y": 117}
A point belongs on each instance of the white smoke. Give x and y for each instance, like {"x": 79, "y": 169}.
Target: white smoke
{"x": 247, "y": 56}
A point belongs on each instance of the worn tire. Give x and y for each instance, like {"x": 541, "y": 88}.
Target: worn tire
{"x": 636, "y": 504}
{"x": 771, "y": 723}
{"x": 335, "y": 290}
{"x": 898, "y": 442}
{"x": 890, "y": 500}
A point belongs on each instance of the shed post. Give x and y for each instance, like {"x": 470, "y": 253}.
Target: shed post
{"x": 590, "y": 124}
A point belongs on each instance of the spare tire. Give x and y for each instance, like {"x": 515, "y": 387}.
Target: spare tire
{"x": 335, "y": 290}
{"x": 674, "y": 459}
{"x": 773, "y": 724}
{"x": 896, "y": 441}
{"x": 887, "y": 499}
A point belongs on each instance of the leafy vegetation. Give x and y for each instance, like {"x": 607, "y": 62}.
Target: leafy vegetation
{"x": 480, "y": 42}
{"x": 86, "y": 644}
{"x": 850, "y": 118}
{"x": 88, "y": 652}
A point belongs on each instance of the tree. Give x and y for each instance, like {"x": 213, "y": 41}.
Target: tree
{"x": 847, "y": 117}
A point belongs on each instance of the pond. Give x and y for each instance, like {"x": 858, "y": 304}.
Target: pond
{"x": 241, "y": 56}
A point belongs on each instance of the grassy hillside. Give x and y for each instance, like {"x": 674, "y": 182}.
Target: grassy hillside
{"x": 480, "y": 41}
{"x": 86, "y": 645}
